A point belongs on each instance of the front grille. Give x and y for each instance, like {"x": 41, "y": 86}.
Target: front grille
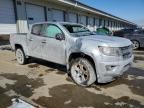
{"x": 126, "y": 52}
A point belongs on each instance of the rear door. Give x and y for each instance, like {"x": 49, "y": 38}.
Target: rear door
{"x": 53, "y": 50}
{"x": 35, "y": 41}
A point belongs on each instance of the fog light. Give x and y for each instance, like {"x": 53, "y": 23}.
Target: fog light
{"x": 110, "y": 67}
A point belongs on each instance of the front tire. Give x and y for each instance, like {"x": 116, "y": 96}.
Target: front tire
{"x": 20, "y": 56}
{"x": 82, "y": 72}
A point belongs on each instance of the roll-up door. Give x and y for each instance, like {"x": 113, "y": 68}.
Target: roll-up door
{"x": 35, "y": 13}
{"x": 106, "y": 23}
{"x": 82, "y": 20}
{"x": 72, "y": 17}
{"x": 103, "y": 23}
{"x": 7, "y": 17}
{"x": 96, "y": 22}
{"x": 57, "y": 15}
{"x": 91, "y": 23}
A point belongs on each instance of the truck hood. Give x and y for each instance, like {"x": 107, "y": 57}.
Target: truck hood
{"x": 108, "y": 40}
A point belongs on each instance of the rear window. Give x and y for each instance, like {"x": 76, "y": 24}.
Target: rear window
{"x": 36, "y": 29}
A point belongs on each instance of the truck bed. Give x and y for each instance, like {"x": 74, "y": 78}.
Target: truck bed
{"x": 18, "y": 38}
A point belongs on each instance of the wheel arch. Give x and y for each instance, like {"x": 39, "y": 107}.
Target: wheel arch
{"x": 76, "y": 55}
{"x": 18, "y": 46}
{"x": 83, "y": 55}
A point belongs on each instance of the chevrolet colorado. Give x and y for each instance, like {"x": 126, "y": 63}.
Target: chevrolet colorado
{"x": 87, "y": 56}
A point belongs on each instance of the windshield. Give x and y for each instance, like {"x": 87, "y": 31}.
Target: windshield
{"x": 78, "y": 30}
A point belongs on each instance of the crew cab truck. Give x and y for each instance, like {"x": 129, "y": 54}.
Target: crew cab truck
{"x": 87, "y": 56}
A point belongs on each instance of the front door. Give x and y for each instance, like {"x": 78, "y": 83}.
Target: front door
{"x": 53, "y": 50}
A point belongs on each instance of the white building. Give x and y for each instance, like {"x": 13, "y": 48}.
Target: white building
{"x": 17, "y": 15}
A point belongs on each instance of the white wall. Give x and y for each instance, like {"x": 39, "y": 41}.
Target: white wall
{"x": 7, "y": 17}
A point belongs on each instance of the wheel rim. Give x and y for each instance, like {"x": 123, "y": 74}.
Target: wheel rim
{"x": 80, "y": 73}
{"x": 19, "y": 56}
{"x": 135, "y": 45}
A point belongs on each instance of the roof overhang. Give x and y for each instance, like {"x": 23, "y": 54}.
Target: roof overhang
{"x": 89, "y": 9}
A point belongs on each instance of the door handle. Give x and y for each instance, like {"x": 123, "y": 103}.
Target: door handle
{"x": 30, "y": 39}
{"x": 43, "y": 42}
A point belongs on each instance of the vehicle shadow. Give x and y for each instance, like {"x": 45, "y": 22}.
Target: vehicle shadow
{"x": 140, "y": 49}
{"x": 51, "y": 65}
{"x": 4, "y": 42}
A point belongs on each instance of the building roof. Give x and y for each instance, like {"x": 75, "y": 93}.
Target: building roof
{"x": 78, "y": 4}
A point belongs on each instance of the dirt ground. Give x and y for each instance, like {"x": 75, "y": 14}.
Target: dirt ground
{"x": 47, "y": 85}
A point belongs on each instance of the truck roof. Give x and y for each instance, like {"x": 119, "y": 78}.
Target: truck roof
{"x": 55, "y": 22}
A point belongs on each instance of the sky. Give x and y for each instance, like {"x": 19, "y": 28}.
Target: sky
{"x": 131, "y": 10}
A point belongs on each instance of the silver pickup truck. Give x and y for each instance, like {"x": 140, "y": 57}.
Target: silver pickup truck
{"x": 87, "y": 56}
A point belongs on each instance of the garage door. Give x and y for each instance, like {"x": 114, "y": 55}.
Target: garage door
{"x": 96, "y": 22}
{"x": 106, "y": 23}
{"x": 91, "y": 23}
{"x": 35, "y": 13}
{"x": 82, "y": 20}
{"x": 57, "y": 15}
{"x": 72, "y": 17}
{"x": 7, "y": 17}
{"x": 103, "y": 23}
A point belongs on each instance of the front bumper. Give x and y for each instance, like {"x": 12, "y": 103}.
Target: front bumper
{"x": 108, "y": 71}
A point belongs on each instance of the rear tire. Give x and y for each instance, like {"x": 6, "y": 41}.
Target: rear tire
{"x": 20, "y": 56}
{"x": 82, "y": 72}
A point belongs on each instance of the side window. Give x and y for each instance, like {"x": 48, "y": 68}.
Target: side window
{"x": 36, "y": 29}
{"x": 51, "y": 31}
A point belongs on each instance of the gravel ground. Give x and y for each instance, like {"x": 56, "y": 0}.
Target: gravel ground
{"x": 47, "y": 85}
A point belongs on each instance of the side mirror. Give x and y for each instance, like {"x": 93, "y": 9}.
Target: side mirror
{"x": 60, "y": 36}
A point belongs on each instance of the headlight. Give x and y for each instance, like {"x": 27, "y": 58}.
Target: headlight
{"x": 110, "y": 51}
